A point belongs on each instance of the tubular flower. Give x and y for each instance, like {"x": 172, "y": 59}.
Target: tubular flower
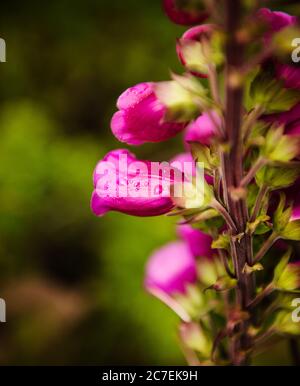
{"x": 124, "y": 184}
{"x": 198, "y": 241}
{"x": 182, "y": 14}
{"x": 275, "y": 20}
{"x": 140, "y": 117}
{"x": 171, "y": 268}
{"x": 203, "y": 129}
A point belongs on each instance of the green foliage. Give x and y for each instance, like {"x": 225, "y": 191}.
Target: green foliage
{"x": 268, "y": 92}
{"x": 278, "y": 176}
{"x": 279, "y": 147}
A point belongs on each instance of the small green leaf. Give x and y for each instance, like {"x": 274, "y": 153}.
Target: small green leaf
{"x": 223, "y": 283}
{"x": 250, "y": 269}
{"x": 279, "y": 147}
{"x": 204, "y": 154}
{"x": 281, "y": 215}
{"x": 278, "y": 176}
{"x": 282, "y": 265}
{"x": 222, "y": 242}
{"x": 252, "y": 226}
{"x": 266, "y": 91}
{"x": 291, "y": 231}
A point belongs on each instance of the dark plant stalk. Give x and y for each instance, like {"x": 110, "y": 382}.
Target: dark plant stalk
{"x": 263, "y": 191}
{"x": 233, "y": 172}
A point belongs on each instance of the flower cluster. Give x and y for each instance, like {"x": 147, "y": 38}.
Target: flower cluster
{"x": 237, "y": 106}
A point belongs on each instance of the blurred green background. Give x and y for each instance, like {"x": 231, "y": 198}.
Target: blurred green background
{"x": 73, "y": 283}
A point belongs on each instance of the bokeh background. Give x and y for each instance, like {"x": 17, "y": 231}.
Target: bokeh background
{"x": 73, "y": 283}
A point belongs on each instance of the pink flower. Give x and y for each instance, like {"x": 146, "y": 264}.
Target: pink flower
{"x": 190, "y": 38}
{"x": 289, "y": 74}
{"x": 203, "y": 129}
{"x": 124, "y": 184}
{"x": 276, "y": 20}
{"x": 170, "y": 269}
{"x": 180, "y": 13}
{"x": 183, "y": 161}
{"x": 140, "y": 117}
{"x": 296, "y": 212}
{"x": 293, "y": 198}
{"x": 198, "y": 241}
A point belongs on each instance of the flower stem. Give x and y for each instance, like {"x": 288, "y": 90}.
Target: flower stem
{"x": 262, "y": 295}
{"x": 223, "y": 212}
{"x": 263, "y": 191}
{"x": 232, "y": 168}
{"x": 265, "y": 247}
{"x": 260, "y": 162}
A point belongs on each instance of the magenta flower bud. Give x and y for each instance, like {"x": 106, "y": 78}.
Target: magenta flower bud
{"x": 289, "y": 74}
{"x": 124, "y": 184}
{"x": 140, "y": 117}
{"x": 203, "y": 129}
{"x": 198, "y": 241}
{"x": 275, "y": 20}
{"x": 296, "y": 212}
{"x": 170, "y": 269}
{"x": 188, "y": 48}
{"x": 184, "y": 14}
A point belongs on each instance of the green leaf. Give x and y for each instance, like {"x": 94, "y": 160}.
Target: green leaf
{"x": 204, "y": 154}
{"x": 254, "y": 268}
{"x": 291, "y": 231}
{"x": 222, "y": 242}
{"x": 281, "y": 215}
{"x": 252, "y": 226}
{"x": 278, "y": 176}
{"x": 282, "y": 265}
{"x": 284, "y": 324}
{"x": 279, "y": 147}
{"x": 266, "y": 91}
{"x": 223, "y": 283}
